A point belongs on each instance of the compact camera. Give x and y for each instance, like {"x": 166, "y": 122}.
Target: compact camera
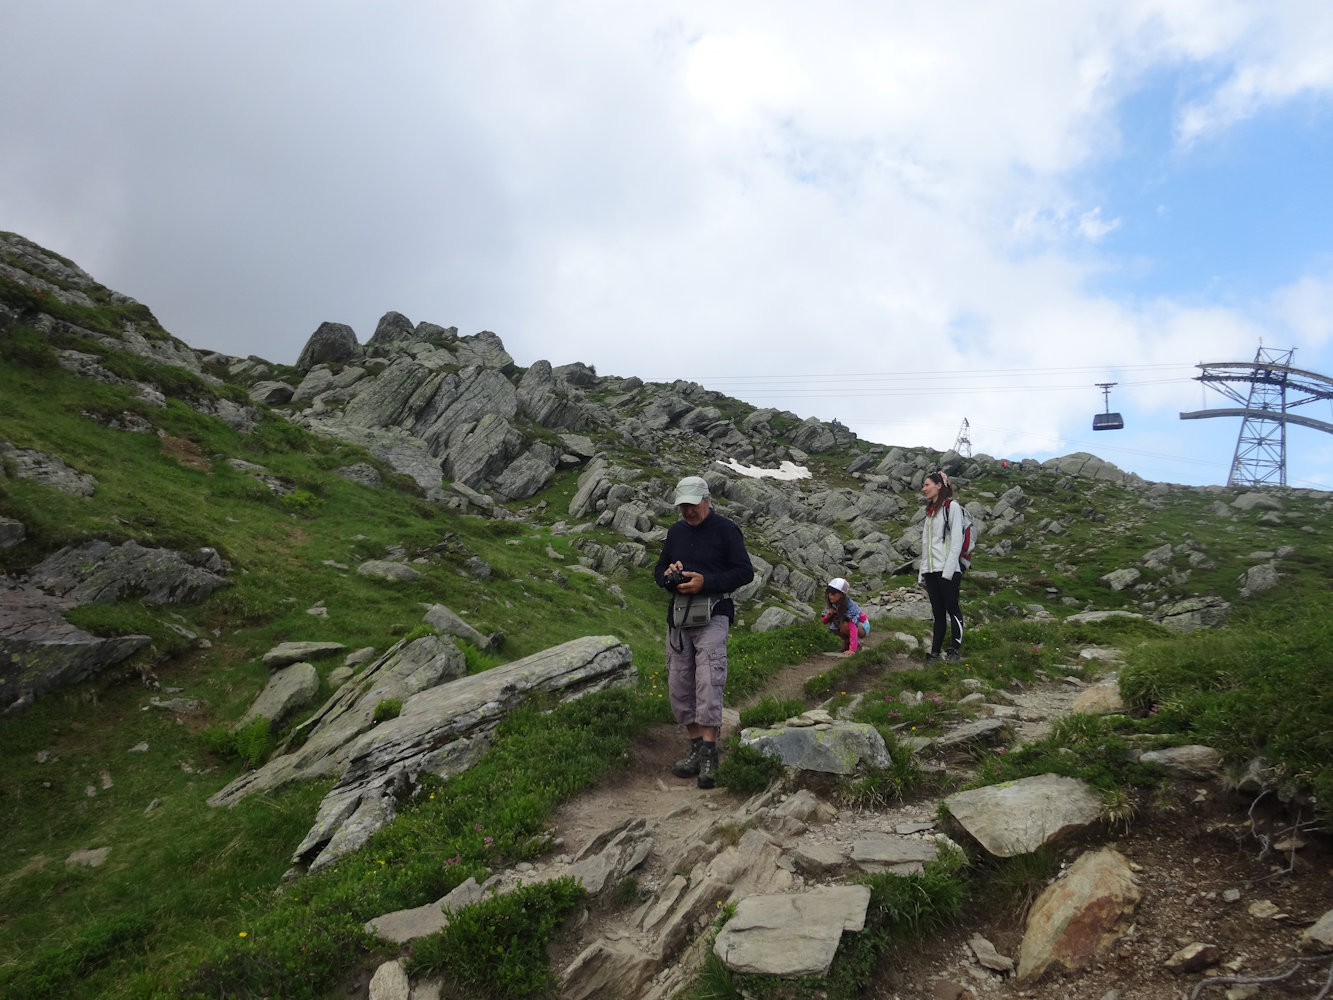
{"x": 674, "y": 578}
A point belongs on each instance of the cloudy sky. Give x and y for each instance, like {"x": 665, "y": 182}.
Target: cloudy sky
{"x": 898, "y": 214}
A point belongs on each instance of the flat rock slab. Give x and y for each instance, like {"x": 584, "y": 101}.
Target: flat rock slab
{"x": 791, "y": 935}
{"x": 287, "y": 653}
{"x": 1018, "y": 817}
{"x": 878, "y": 853}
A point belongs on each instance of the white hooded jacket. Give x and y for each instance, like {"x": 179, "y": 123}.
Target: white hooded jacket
{"x": 940, "y": 549}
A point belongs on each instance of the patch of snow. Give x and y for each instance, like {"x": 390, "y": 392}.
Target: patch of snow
{"x": 788, "y": 470}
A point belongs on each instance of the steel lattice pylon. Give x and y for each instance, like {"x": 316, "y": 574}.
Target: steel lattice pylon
{"x": 1274, "y": 389}
{"x": 963, "y": 443}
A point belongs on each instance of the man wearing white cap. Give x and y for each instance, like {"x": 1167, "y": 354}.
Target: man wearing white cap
{"x": 703, "y": 559}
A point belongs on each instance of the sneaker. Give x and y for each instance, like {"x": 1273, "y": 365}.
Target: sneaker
{"x": 688, "y": 766}
{"x": 708, "y": 767}
{"x": 953, "y": 656}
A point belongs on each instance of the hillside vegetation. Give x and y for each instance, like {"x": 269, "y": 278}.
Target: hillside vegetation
{"x": 191, "y": 901}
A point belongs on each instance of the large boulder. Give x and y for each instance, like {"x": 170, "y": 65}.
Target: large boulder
{"x": 394, "y": 329}
{"x": 1020, "y": 816}
{"x": 40, "y": 652}
{"x": 1079, "y": 918}
{"x": 331, "y": 343}
{"x": 99, "y": 572}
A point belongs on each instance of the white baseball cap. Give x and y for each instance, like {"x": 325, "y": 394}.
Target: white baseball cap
{"x": 691, "y": 489}
{"x": 838, "y": 583}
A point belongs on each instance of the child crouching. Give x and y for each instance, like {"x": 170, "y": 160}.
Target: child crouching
{"x": 843, "y": 616}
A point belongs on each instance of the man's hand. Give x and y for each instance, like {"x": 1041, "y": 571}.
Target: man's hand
{"x": 694, "y": 582}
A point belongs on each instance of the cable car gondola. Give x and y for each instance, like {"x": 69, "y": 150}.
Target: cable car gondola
{"x": 1107, "y": 421}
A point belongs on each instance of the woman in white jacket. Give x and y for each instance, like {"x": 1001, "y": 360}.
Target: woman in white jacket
{"x": 941, "y": 573}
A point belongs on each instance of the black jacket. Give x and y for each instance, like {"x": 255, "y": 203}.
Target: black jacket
{"x": 714, "y": 548}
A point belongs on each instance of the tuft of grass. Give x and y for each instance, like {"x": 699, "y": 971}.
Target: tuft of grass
{"x": 769, "y": 711}
{"x": 745, "y": 771}
{"x": 498, "y": 946}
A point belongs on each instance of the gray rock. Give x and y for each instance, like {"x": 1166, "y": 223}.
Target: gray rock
{"x": 1193, "y": 614}
{"x": 385, "y": 569}
{"x": 390, "y": 982}
{"x": 987, "y": 956}
{"x": 330, "y": 343}
{"x": 842, "y": 748}
{"x": 1256, "y": 501}
{"x": 791, "y": 935}
{"x": 887, "y": 852}
{"x": 441, "y": 729}
{"x": 402, "y": 926}
{"x": 285, "y": 653}
{"x": 1121, "y": 578}
{"x": 1101, "y": 616}
{"x": 444, "y": 620}
{"x": 1021, "y": 816}
{"x": 1258, "y": 579}
{"x": 528, "y": 473}
{"x": 393, "y": 330}
{"x": 1195, "y": 762}
{"x": 12, "y": 532}
{"x": 49, "y": 470}
{"x": 318, "y": 380}
{"x": 772, "y": 619}
{"x": 360, "y": 472}
{"x": 98, "y": 572}
{"x": 41, "y": 652}
{"x": 272, "y": 393}
{"x": 290, "y": 688}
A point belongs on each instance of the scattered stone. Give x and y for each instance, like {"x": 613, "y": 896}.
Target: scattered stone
{"x": 286, "y": 653}
{"x": 387, "y": 570}
{"x": 1194, "y": 957}
{"x": 1021, "y": 816}
{"x": 988, "y": 956}
{"x": 1195, "y": 762}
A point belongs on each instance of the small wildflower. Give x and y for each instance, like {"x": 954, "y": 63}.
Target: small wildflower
{"x": 243, "y": 934}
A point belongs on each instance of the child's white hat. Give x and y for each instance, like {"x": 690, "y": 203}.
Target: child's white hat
{"x": 838, "y": 583}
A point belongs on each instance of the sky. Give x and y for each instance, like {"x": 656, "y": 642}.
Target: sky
{"x": 896, "y": 214}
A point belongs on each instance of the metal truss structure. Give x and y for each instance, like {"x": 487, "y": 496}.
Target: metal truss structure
{"x": 1274, "y": 389}
{"x": 963, "y": 444}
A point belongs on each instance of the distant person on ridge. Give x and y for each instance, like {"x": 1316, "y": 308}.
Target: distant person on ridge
{"x": 703, "y": 559}
{"x": 941, "y": 571}
{"x": 843, "y": 616}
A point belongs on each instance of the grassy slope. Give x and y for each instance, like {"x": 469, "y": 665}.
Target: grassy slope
{"x": 185, "y": 904}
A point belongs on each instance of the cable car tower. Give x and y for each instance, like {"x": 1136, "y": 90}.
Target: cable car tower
{"x": 963, "y": 443}
{"x": 1275, "y": 388}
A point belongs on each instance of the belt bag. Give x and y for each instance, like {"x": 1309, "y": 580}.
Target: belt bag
{"x": 694, "y": 610}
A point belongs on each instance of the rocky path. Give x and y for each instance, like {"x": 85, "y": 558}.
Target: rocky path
{"x": 642, "y": 832}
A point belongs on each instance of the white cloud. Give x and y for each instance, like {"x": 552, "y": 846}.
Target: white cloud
{"x": 687, "y": 189}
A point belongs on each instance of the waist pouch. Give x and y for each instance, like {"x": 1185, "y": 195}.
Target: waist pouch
{"x": 694, "y": 610}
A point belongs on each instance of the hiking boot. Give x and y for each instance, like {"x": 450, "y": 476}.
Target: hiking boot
{"x": 688, "y": 766}
{"x": 953, "y": 656}
{"x": 932, "y": 657}
{"x": 708, "y": 766}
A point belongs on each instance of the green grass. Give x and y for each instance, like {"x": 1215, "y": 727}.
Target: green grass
{"x": 191, "y": 901}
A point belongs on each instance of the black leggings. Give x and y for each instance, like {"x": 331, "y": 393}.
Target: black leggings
{"x": 944, "y": 604}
